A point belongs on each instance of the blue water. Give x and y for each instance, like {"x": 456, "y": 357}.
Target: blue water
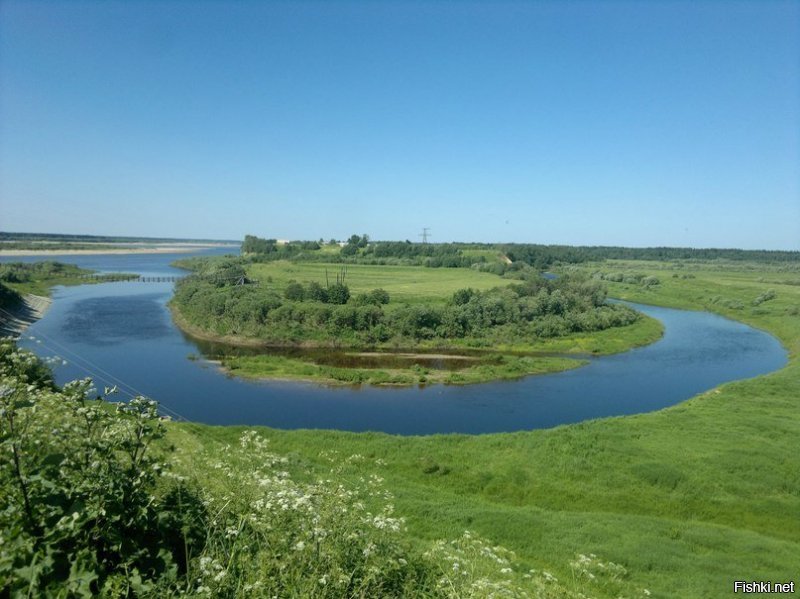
{"x": 123, "y": 332}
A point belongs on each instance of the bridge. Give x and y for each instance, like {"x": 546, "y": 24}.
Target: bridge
{"x": 134, "y": 278}
{"x": 128, "y": 278}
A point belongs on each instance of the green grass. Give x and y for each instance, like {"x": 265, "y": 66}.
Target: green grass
{"x": 44, "y": 288}
{"x": 609, "y": 341}
{"x": 407, "y": 284}
{"x": 42, "y": 282}
{"x": 44, "y": 285}
{"x": 688, "y": 499}
{"x": 266, "y": 366}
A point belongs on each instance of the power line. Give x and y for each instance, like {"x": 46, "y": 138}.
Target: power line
{"x": 96, "y": 372}
{"x": 99, "y": 374}
{"x": 425, "y": 234}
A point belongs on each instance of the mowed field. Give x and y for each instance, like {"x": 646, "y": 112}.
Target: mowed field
{"x": 408, "y": 284}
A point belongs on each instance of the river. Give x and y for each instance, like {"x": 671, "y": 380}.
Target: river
{"x": 122, "y": 333}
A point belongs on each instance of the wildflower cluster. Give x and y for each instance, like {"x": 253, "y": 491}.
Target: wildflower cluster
{"x": 92, "y": 508}
{"x": 602, "y": 575}
{"x": 81, "y": 512}
{"x": 278, "y": 536}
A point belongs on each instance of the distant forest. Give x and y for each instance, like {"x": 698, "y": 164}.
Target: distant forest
{"x": 360, "y": 249}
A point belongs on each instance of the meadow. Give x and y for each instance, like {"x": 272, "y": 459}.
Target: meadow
{"x": 686, "y": 499}
{"x": 406, "y": 284}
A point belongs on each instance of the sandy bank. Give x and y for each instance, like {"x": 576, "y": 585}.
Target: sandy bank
{"x": 178, "y": 248}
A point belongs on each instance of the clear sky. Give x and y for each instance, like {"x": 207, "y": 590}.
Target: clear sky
{"x": 599, "y": 123}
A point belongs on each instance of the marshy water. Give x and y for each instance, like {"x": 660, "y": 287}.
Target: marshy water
{"x": 123, "y": 332}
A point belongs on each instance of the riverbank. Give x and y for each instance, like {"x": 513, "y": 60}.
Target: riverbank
{"x": 514, "y": 329}
{"x": 502, "y": 367}
{"x": 14, "y": 320}
{"x": 685, "y": 498}
{"x": 482, "y": 365}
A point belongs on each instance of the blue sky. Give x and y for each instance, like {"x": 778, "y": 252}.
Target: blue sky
{"x": 597, "y": 123}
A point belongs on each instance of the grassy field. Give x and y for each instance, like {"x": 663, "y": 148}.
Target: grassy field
{"x": 688, "y": 499}
{"x": 407, "y": 284}
{"x": 415, "y": 285}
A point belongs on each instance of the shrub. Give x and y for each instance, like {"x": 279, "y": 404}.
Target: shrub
{"x": 338, "y": 293}
{"x": 316, "y": 292}
{"x": 379, "y": 296}
{"x": 82, "y": 514}
{"x": 765, "y": 297}
{"x": 294, "y": 291}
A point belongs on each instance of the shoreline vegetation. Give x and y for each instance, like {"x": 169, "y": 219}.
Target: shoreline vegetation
{"x": 698, "y": 488}
{"x": 26, "y": 287}
{"x": 499, "y": 363}
{"x": 506, "y": 323}
{"x": 675, "y": 502}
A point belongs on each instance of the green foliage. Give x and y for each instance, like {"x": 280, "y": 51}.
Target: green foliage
{"x": 82, "y": 513}
{"x": 267, "y": 250}
{"x": 40, "y": 277}
{"x": 91, "y": 509}
{"x": 669, "y": 253}
{"x": 535, "y": 308}
{"x": 256, "y": 245}
{"x": 294, "y": 291}
{"x": 765, "y": 297}
{"x": 26, "y": 272}
{"x": 316, "y": 292}
{"x": 379, "y": 296}
{"x": 338, "y": 293}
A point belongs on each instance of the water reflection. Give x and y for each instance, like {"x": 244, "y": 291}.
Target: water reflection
{"x": 113, "y": 331}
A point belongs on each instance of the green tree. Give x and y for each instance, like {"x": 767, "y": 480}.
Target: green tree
{"x": 338, "y": 293}
{"x": 316, "y": 292}
{"x": 294, "y": 291}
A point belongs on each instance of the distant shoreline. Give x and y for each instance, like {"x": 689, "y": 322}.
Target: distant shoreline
{"x": 173, "y": 248}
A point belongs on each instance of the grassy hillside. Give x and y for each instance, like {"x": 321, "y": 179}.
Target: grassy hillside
{"x": 687, "y": 499}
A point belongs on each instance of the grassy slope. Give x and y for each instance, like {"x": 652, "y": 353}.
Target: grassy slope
{"x": 689, "y": 498}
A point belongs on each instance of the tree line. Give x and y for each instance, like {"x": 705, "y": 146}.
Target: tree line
{"x": 534, "y": 308}
{"x": 362, "y": 249}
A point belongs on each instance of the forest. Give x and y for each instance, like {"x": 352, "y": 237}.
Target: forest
{"x": 360, "y": 249}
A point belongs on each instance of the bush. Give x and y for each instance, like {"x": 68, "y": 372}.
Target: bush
{"x": 338, "y": 293}
{"x": 82, "y": 514}
{"x": 379, "y": 296}
{"x": 294, "y": 291}
{"x": 765, "y": 297}
{"x": 316, "y": 292}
